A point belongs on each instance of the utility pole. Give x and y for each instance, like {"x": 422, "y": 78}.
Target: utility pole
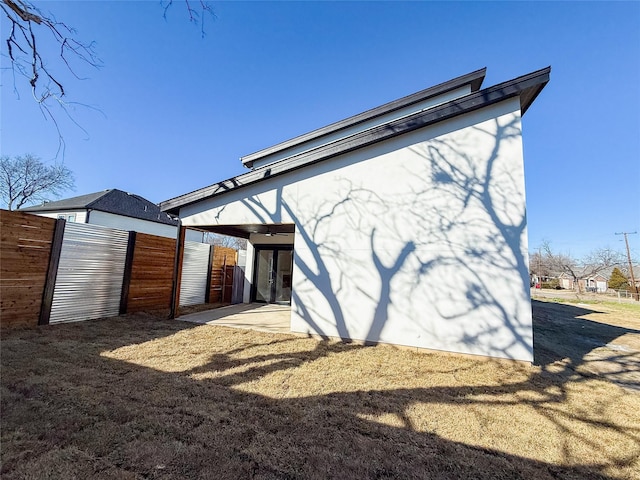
{"x": 633, "y": 280}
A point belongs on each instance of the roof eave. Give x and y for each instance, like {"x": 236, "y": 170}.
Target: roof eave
{"x": 527, "y": 87}
{"x": 474, "y": 79}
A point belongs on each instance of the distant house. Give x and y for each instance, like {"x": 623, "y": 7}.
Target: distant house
{"x": 111, "y": 208}
{"x": 587, "y": 281}
{"x": 636, "y": 274}
{"x": 597, "y": 283}
{"x": 566, "y": 281}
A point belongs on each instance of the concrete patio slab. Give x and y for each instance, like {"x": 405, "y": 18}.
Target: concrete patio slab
{"x": 252, "y": 316}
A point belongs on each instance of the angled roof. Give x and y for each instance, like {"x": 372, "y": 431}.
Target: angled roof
{"x": 110, "y": 201}
{"x": 474, "y": 79}
{"x": 526, "y": 88}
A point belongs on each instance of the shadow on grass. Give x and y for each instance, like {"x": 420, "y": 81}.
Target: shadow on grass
{"x": 69, "y": 411}
{"x": 562, "y": 335}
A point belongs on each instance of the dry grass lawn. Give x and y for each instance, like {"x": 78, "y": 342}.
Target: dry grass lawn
{"x": 138, "y": 397}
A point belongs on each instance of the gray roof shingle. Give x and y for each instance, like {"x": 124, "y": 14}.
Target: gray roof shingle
{"x": 110, "y": 201}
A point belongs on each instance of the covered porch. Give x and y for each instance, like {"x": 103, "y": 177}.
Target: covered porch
{"x": 269, "y": 262}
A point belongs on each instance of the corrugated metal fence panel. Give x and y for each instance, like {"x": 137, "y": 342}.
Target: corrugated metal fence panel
{"x": 195, "y": 266}
{"x": 90, "y": 274}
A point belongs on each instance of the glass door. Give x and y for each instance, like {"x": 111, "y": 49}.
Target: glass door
{"x": 263, "y": 275}
{"x": 284, "y": 269}
{"x": 272, "y": 274}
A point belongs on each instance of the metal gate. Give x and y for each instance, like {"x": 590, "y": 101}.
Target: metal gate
{"x": 90, "y": 273}
{"x": 195, "y": 270}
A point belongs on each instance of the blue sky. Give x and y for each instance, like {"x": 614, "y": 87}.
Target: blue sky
{"x": 174, "y": 111}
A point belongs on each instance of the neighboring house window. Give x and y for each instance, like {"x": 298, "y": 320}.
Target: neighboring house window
{"x": 68, "y": 218}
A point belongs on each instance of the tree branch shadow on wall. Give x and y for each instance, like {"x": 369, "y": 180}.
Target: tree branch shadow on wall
{"x": 443, "y": 201}
{"x": 438, "y": 202}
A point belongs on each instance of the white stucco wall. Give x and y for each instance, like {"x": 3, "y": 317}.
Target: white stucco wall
{"x": 122, "y": 222}
{"x": 128, "y": 223}
{"x": 419, "y": 240}
{"x": 81, "y": 215}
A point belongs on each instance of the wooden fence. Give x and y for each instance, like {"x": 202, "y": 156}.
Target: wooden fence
{"x": 224, "y": 258}
{"x": 151, "y": 273}
{"x": 30, "y": 252}
{"x": 25, "y": 252}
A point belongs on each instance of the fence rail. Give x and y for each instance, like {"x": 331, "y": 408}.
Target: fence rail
{"x": 54, "y": 271}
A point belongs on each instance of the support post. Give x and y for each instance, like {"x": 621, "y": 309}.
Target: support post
{"x": 224, "y": 278}
{"x": 128, "y": 268}
{"x": 207, "y": 293}
{"x": 52, "y": 272}
{"x": 177, "y": 273}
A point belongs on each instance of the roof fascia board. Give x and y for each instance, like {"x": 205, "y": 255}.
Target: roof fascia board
{"x": 474, "y": 79}
{"x": 526, "y": 84}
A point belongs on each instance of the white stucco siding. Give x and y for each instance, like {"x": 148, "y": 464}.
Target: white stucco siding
{"x": 80, "y": 216}
{"x": 128, "y": 223}
{"x": 419, "y": 240}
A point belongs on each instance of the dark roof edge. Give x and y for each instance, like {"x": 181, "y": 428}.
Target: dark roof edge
{"x": 54, "y": 205}
{"x": 168, "y": 221}
{"x": 97, "y": 204}
{"x": 527, "y": 87}
{"x": 475, "y": 79}
{"x": 46, "y": 208}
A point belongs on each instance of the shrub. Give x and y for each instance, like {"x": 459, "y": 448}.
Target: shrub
{"x": 554, "y": 283}
{"x": 618, "y": 281}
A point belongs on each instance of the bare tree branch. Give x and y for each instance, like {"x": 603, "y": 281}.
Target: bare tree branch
{"x": 26, "y": 179}
{"x": 196, "y": 15}
{"x": 225, "y": 241}
{"x": 31, "y": 29}
{"x": 597, "y": 261}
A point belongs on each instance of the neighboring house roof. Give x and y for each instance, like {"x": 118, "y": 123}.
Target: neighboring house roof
{"x": 526, "y": 87}
{"x": 110, "y": 201}
{"x": 586, "y": 272}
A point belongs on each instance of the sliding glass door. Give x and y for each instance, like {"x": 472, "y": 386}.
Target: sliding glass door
{"x": 272, "y": 274}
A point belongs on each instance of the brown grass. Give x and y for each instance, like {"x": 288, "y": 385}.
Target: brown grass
{"x": 137, "y": 397}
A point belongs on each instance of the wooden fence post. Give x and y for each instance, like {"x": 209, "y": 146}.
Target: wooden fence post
{"x": 207, "y": 293}
{"x": 52, "y": 272}
{"x": 177, "y": 273}
{"x": 128, "y": 268}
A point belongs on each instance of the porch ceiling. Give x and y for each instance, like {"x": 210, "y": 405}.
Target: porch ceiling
{"x": 245, "y": 230}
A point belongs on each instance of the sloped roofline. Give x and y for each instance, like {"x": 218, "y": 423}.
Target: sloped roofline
{"x": 526, "y": 87}
{"x": 113, "y": 201}
{"x": 474, "y": 79}
{"x": 73, "y": 203}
